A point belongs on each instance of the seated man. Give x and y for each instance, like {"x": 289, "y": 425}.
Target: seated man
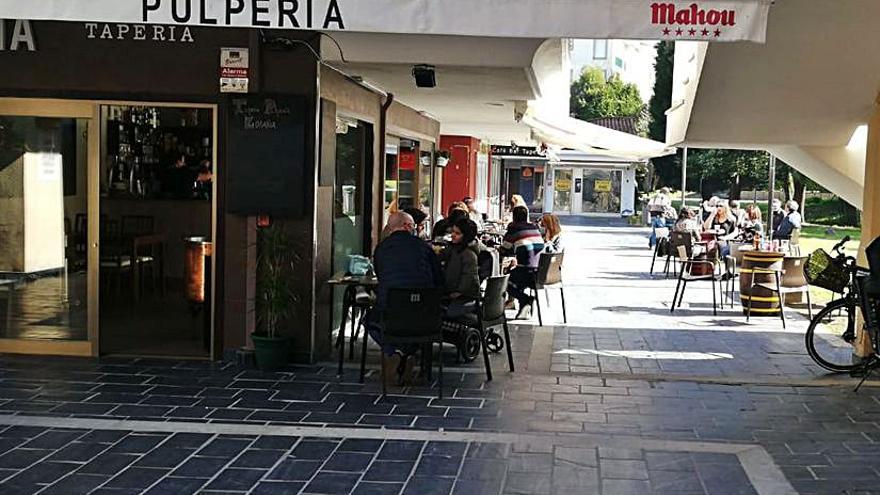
{"x": 791, "y": 221}
{"x": 401, "y": 261}
{"x": 522, "y": 240}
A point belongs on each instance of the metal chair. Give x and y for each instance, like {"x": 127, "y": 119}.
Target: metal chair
{"x": 677, "y": 239}
{"x": 492, "y": 313}
{"x": 794, "y": 280}
{"x": 660, "y": 248}
{"x": 412, "y": 317}
{"x": 686, "y": 274}
{"x": 549, "y": 276}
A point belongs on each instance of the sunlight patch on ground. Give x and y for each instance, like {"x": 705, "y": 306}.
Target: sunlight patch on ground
{"x": 666, "y": 355}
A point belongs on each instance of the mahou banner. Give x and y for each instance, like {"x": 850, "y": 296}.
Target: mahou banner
{"x": 707, "y": 20}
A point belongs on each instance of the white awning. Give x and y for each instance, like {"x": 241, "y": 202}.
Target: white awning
{"x": 710, "y": 20}
{"x": 590, "y": 138}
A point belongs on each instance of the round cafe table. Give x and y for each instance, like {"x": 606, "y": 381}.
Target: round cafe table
{"x": 756, "y": 268}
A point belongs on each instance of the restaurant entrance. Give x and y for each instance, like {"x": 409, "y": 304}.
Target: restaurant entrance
{"x": 93, "y": 228}
{"x": 156, "y": 226}
{"x": 562, "y": 191}
{"x": 48, "y": 234}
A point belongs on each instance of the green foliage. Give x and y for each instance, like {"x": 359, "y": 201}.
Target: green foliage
{"x": 277, "y": 257}
{"x": 727, "y": 170}
{"x": 593, "y": 97}
{"x": 834, "y": 211}
{"x": 667, "y": 169}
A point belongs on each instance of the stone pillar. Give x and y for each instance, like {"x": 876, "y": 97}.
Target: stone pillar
{"x": 870, "y": 209}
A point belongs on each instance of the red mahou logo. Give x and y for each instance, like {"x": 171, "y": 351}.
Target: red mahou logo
{"x": 666, "y": 13}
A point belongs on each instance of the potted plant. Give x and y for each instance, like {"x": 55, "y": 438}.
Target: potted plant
{"x": 276, "y": 296}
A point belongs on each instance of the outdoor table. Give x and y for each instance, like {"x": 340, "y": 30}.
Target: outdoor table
{"x": 351, "y": 283}
{"x": 764, "y": 301}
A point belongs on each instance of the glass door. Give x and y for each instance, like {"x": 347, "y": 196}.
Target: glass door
{"x": 48, "y": 229}
{"x": 562, "y": 187}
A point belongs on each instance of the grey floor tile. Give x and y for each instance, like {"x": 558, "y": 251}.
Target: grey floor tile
{"x": 75, "y": 484}
{"x": 136, "y": 478}
{"x": 420, "y": 485}
{"x": 332, "y": 483}
{"x": 236, "y": 479}
{"x": 200, "y": 467}
{"x": 278, "y": 487}
{"x": 389, "y": 471}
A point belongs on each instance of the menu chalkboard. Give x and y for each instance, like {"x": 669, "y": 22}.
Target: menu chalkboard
{"x": 266, "y": 149}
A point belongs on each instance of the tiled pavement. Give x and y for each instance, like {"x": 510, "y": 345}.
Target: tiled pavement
{"x": 699, "y": 405}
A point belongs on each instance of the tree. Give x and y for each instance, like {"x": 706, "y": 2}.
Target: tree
{"x": 593, "y": 97}
{"x": 667, "y": 169}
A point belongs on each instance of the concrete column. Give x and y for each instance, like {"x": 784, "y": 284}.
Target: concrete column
{"x": 577, "y": 197}
{"x": 870, "y": 209}
{"x": 628, "y": 191}
{"x": 549, "y": 187}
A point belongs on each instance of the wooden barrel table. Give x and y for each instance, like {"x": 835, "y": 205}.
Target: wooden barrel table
{"x": 760, "y": 265}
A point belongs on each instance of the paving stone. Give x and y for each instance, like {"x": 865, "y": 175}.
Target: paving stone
{"x": 275, "y": 442}
{"x": 623, "y": 469}
{"x": 360, "y": 445}
{"x": 236, "y": 479}
{"x": 489, "y": 470}
{"x": 108, "y": 464}
{"x": 53, "y": 439}
{"x": 75, "y": 484}
{"x": 579, "y": 456}
{"x": 332, "y": 483}
{"x": 314, "y": 450}
{"x": 136, "y": 478}
{"x": 224, "y": 447}
{"x": 435, "y": 465}
{"x": 42, "y": 472}
{"x": 419, "y": 485}
{"x": 258, "y": 459}
{"x": 389, "y": 471}
{"x": 371, "y": 488}
{"x": 527, "y": 484}
{"x": 277, "y": 487}
{"x": 473, "y": 487}
{"x": 137, "y": 444}
{"x": 22, "y": 458}
{"x": 625, "y": 487}
{"x": 176, "y": 486}
{"x": 295, "y": 470}
{"x": 200, "y": 467}
{"x": 402, "y": 450}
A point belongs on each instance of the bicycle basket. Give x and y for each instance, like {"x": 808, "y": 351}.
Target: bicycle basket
{"x": 826, "y": 272}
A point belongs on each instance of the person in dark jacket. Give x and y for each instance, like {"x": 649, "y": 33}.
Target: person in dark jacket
{"x": 523, "y": 240}
{"x": 462, "y": 280}
{"x": 401, "y": 261}
{"x": 443, "y": 226}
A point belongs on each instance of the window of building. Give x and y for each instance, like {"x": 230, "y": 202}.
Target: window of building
{"x": 600, "y": 49}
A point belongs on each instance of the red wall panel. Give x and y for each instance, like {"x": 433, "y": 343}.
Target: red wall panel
{"x": 460, "y": 175}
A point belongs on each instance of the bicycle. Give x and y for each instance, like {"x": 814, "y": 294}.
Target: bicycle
{"x": 832, "y": 331}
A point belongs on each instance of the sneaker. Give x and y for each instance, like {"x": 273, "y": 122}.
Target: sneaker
{"x": 525, "y": 313}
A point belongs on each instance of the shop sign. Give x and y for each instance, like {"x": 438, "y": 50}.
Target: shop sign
{"x": 563, "y": 185}
{"x": 139, "y": 32}
{"x": 234, "y": 65}
{"x": 17, "y": 35}
{"x": 514, "y": 150}
{"x": 602, "y": 185}
{"x": 705, "y": 20}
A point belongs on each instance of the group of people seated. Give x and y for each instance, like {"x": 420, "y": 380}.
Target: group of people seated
{"x": 406, "y": 258}
{"x": 729, "y": 222}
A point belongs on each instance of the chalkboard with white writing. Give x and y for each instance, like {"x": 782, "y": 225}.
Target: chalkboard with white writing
{"x": 267, "y": 153}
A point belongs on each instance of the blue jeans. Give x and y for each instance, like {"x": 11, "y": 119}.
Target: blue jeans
{"x": 656, "y": 223}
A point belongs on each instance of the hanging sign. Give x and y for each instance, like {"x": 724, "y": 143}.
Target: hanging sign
{"x": 602, "y": 185}
{"x": 234, "y": 70}
{"x": 707, "y": 20}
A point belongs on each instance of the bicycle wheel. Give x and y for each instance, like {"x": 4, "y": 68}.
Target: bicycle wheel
{"x": 830, "y": 334}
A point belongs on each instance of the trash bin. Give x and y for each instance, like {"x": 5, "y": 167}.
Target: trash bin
{"x": 196, "y": 250}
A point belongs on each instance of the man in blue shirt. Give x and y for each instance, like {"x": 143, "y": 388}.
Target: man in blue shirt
{"x": 401, "y": 261}
{"x": 791, "y": 221}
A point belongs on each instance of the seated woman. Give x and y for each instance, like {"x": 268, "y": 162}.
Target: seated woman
{"x": 462, "y": 280}
{"x": 443, "y": 227}
{"x": 687, "y": 223}
{"x": 552, "y": 233}
{"x": 721, "y": 221}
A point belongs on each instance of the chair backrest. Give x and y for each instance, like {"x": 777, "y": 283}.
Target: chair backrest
{"x": 682, "y": 252}
{"x": 685, "y": 239}
{"x": 550, "y": 269}
{"x": 412, "y": 315}
{"x": 493, "y": 298}
{"x": 133, "y": 225}
{"x": 794, "y": 275}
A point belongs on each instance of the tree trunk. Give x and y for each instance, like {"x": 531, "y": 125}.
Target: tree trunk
{"x": 799, "y": 191}
{"x": 735, "y": 187}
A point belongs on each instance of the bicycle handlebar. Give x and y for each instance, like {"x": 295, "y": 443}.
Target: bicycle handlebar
{"x": 840, "y": 244}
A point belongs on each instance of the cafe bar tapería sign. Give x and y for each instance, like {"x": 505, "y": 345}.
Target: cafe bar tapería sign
{"x": 706, "y": 20}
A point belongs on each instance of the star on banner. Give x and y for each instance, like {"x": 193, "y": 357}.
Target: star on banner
{"x": 692, "y": 32}
{"x": 665, "y": 31}
{"x": 679, "y": 32}
{"x": 705, "y": 32}
{"x": 717, "y": 33}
